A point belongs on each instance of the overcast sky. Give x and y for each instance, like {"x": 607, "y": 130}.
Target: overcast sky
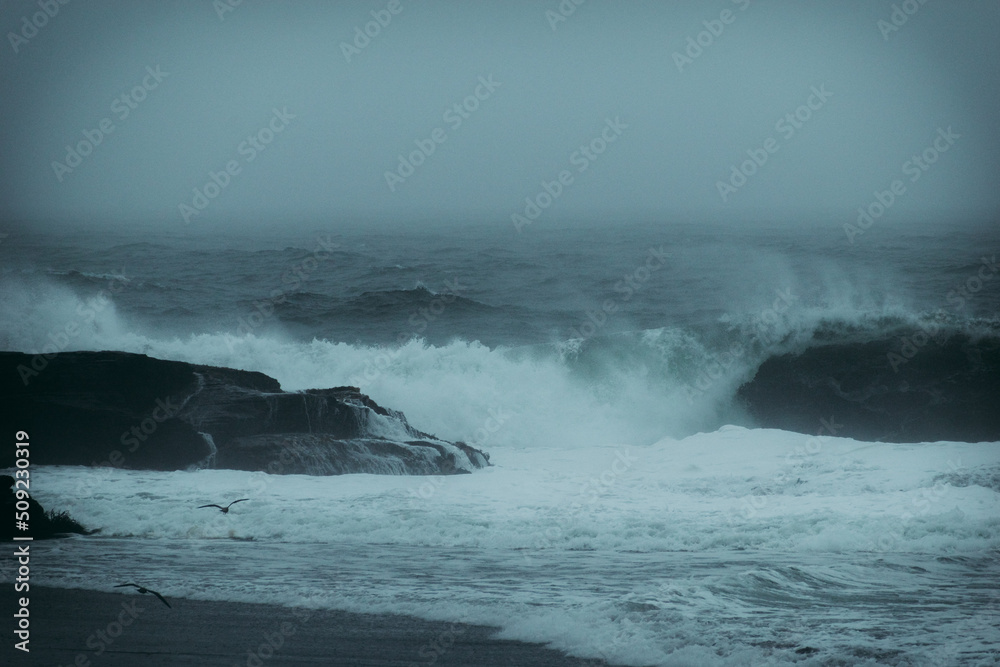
{"x": 198, "y": 82}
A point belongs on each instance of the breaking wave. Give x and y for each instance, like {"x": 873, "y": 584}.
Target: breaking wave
{"x": 875, "y": 371}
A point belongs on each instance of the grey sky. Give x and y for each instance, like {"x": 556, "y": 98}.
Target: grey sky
{"x": 685, "y": 129}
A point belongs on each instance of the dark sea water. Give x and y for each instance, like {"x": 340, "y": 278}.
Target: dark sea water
{"x": 517, "y": 289}
{"x": 636, "y": 510}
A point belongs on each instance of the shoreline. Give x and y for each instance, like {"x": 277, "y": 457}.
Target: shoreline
{"x": 88, "y": 628}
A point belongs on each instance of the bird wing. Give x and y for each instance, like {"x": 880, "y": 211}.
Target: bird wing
{"x": 162, "y": 599}
{"x": 200, "y": 506}
{"x": 238, "y": 501}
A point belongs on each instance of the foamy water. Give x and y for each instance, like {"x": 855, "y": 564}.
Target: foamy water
{"x": 734, "y": 547}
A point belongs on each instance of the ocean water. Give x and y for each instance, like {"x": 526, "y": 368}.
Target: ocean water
{"x": 635, "y": 513}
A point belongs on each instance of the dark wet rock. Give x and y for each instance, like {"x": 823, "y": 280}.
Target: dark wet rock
{"x": 40, "y": 524}
{"x": 945, "y": 390}
{"x": 133, "y": 411}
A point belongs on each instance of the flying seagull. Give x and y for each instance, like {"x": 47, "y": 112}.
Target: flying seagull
{"x": 145, "y": 590}
{"x": 225, "y": 510}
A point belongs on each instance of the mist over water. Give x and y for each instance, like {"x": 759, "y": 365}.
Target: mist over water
{"x": 345, "y": 120}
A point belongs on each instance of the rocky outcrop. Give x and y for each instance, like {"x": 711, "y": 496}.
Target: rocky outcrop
{"x": 38, "y": 524}
{"x": 133, "y": 411}
{"x": 946, "y": 390}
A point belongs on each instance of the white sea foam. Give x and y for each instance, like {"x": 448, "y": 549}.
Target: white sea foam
{"x": 693, "y": 551}
{"x": 735, "y": 488}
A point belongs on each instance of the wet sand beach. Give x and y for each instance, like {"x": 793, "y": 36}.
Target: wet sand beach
{"x": 91, "y": 628}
